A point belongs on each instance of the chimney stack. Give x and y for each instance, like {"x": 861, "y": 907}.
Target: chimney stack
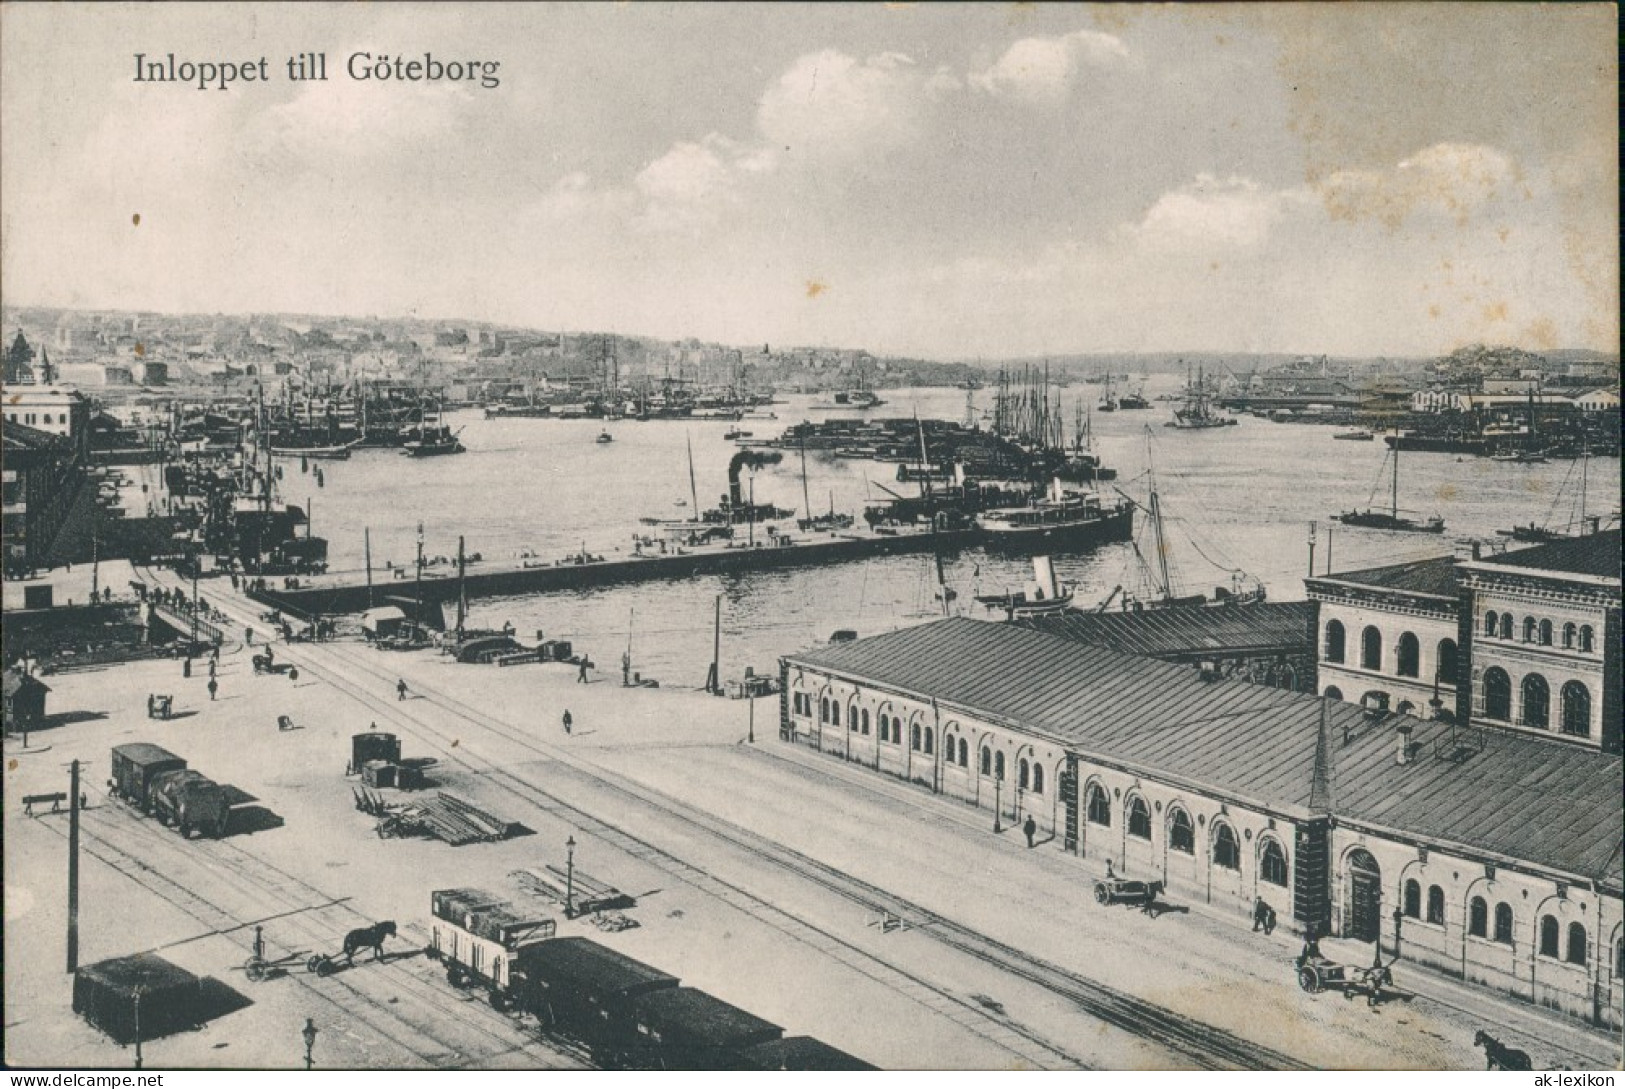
{"x": 1402, "y": 753}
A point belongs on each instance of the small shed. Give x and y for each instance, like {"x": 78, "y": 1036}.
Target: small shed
{"x": 382, "y": 622}
{"x": 24, "y": 699}
{"x": 144, "y": 993}
{"x": 374, "y": 745}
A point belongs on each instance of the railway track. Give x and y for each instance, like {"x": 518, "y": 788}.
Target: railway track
{"x": 151, "y": 857}
{"x": 1205, "y": 1045}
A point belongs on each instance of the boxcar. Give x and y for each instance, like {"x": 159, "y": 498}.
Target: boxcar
{"x": 135, "y": 766}
{"x": 799, "y": 1053}
{"x": 582, "y": 989}
{"x": 681, "y": 1028}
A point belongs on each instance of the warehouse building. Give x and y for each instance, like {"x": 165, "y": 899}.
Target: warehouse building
{"x": 1463, "y": 848}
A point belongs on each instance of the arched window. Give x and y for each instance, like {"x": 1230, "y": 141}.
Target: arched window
{"x": 1548, "y": 935}
{"x": 987, "y": 760}
{"x": 1272, "y": 863}
{"x": 1022, "y": 773}
{"x": 1491, "y": 623}
{"x": 1528, "y": 629}
{"x": 1435, "y": 905}
{"x": 1406, "y": 707}
{"x": 1569, "y": 632}
{"x": 1587, "y": 638}
{"x": 1576, "y": 709}
{"x": 998, "y": 766}
{"x": 1413, "y": 899}
{"x": 1503, "y": 923}
{"x": 834, "y": 713}
{"x": 1497, "y": 694}
{"x": 1577, "y": 944}
{"x": 1408, "y": 661}
{"x": 1181, "y": 836}
{"x": 1478, "y": 917}
{"x": 930, "y": 741}
{"x": 1537, "y": 702}
{"x": 914, "y": 737}
{"x": 1371, "y": 648}
{"x": 1334, "y": 640}
{"x": 1545, "y": 633}
{"x": 964, "y": 754}
{"x": 866, "y": 722}
{"x": 823, "y": 709}
{"x": 1506, "y": 625}
{"x": 1333, "y": 692}
{"x": 1226, "y": 851}
{"x": 1038, "y": 778}
{"x": 1100, "y": 806}
{"x": 1445, "y": 665}
{"x": 1139, "y": 818}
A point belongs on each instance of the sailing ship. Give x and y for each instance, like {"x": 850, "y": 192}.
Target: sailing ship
{"x": 1580, "y": 524}
{"x": 1131, "y": 401}
{"x": 1390, "y": 519}
{"x": 1197, "y": 412}
{"x": 1060, "y": 520}
{"x": 1043, "y": 596}
{"x": 1108, "y": 403}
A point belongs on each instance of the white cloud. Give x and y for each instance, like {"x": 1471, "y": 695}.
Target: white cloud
{"x": 833, "y": 104}
{"x": 1041, "y": 71}
{"x": 1230, "y": 212}
{"x": 691, "y": 184}
{"x": 1449, "y": 179}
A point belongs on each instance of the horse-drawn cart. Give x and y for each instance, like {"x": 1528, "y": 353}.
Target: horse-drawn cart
{"x": 259, "y": 969}
{"x": 264, "y": 663}
{"x": 1121, "y": 890}
{"x": 1318, "y": 973}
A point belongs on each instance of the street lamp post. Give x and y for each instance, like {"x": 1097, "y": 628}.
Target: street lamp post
{"x": 569, "y": 877}
{"x": 309, "y": 1033}
{"x": 751, "y": 737}
{"x": 998, "y": 784}
{"x": 1399, "y": 919}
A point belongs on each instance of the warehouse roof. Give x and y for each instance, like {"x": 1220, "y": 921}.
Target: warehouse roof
{"x": 1157, "y": 633}
{"x": 1593, "y": 554}
{"x": 1435, "y": 576}
{"x": 1258, "y": 744}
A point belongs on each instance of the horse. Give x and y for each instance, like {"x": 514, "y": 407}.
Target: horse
{"x": 368, "y": 937}
{"x": 1499, "y": 1056}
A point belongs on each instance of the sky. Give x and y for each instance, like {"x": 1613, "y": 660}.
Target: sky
{"x": 955, "y": 181}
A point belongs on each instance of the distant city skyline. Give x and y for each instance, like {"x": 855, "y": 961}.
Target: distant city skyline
{"x": 942, "y": 182}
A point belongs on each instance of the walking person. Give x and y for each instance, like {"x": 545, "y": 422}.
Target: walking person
{"x": 214, "y": 686}
{"x": 568, "y": 721}
{"x": 186, "y": 668}
{"x": 211, "y": 669}
{"x": 581, "y": 677}
{"x": 400, "y": 689}
{"x": 1030, "y": 827}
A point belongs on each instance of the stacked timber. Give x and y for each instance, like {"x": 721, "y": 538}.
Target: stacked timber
{"x": 447, "y": 818}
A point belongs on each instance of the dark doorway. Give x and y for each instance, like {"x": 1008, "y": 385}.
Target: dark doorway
{"x": 1364, "y": 918}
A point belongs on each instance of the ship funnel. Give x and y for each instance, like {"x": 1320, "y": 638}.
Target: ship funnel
{"x": 1044, "y": 579}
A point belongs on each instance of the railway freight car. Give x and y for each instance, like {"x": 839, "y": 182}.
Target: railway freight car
{"x": 579, "y": 988}
{"x": 157, "y": 782}
{"x": 681, "y": 1028}
{"x": 480, "y": 939}
{"x": 799, "y": 1053}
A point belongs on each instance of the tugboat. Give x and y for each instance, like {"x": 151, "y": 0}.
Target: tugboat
{"x": 1390, "y": 519}
{"x": 1066, "y": 520}
{"x": 436, "y": 441}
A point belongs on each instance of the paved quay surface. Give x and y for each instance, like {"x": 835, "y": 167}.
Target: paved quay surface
{"x": 759, "y": 869}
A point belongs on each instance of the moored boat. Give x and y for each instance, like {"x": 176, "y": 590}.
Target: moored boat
{"x": 1061, "y": 520}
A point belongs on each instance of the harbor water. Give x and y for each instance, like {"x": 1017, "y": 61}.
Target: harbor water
{"x": 1235, "y": 500}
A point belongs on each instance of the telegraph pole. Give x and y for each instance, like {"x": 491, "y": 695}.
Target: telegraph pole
{"x": 73, "y": 869}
